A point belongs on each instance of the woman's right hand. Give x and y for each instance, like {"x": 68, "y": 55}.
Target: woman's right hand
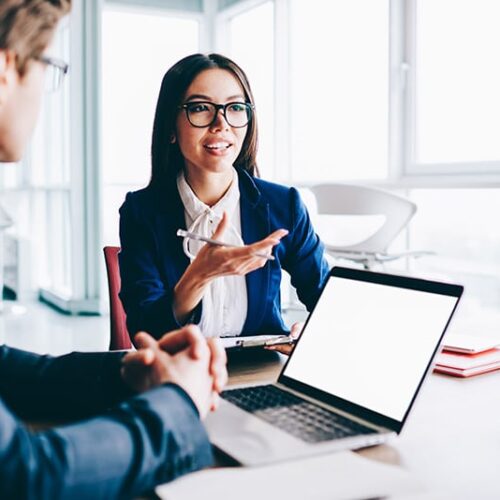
{"x": 214, "y": 261}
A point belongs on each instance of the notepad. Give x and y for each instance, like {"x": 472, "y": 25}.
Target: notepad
{"x": 331, "y": 476}
{"x": 469, "y": 344}
{"x": 467, "y": 365}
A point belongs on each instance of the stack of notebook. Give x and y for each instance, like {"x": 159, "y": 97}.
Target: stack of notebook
{"x": 468, "y": 355}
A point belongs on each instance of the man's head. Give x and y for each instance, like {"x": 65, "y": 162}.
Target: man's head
{"x": 26, "y": 30}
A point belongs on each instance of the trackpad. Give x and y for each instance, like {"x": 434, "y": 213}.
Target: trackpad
{"x": 247, "y": 438}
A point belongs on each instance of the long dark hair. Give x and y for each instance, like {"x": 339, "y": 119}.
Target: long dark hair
{"x": 166, "y": 157}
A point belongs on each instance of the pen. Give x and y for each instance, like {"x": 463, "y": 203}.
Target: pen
{"x": 199, "y": 237}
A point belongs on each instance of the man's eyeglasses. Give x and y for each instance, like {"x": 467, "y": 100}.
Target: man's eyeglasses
{"x": 204, "y": 113}
{"x": 56, "y": 70}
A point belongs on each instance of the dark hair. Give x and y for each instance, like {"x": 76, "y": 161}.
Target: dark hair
{"x": 27, "y": 26}
{"x": 166, "y": 157}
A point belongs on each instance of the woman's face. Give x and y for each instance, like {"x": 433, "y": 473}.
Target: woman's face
{"x": 216, "y": 147}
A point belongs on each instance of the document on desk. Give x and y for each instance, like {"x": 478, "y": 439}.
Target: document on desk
{"x": 342, "y": 475}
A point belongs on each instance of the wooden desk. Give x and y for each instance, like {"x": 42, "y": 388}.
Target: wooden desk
{"x": 451, "y": 440}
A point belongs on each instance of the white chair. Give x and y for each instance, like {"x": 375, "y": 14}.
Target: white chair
{"x": 389, "y": 215}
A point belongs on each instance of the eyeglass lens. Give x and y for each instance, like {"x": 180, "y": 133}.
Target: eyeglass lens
{"x": 202, "y": 114}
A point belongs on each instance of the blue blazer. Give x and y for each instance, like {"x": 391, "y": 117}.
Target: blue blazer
{"x": 135, "y": 444}
{"x": 152, "y": 260}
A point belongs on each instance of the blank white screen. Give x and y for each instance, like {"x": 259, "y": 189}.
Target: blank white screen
{"x": 370, "y": 344}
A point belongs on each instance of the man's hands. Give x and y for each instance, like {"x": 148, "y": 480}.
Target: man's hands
{"x": 183, "y": 357}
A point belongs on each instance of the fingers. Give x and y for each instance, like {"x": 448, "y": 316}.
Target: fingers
{"x": 214, "y": 401}
{"x": 143, "y": 340}
{"x": 278, "y": 234}
{"x": 269, "y": 242}
{"x": 145, "y": 354}
{"x": 178, "y": 340}
{"x": 296, "y": 329}
{"x": 143, "y": 357}
{"x": 221, "y": 228}
{"x": 218, "y": 362}
{"x": 283, "y": 348}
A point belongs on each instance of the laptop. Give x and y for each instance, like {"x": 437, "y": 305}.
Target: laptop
{"x": 353, "y": 376}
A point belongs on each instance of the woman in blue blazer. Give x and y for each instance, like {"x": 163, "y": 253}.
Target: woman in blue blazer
{"x": 204, "y": 178}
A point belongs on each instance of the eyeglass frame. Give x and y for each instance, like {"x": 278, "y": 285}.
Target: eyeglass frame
{"x": 59, "y": 64}
{"x": 218, "y": 107}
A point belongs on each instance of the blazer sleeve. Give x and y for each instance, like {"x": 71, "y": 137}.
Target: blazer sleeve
{"x": 304, "y": 260}
{"x": 146, "y": 440}
{"x": 146, "y": 299}
{"x": 75, "y": 385}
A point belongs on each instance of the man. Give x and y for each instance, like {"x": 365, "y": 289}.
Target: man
{"x": 151, "y": 400}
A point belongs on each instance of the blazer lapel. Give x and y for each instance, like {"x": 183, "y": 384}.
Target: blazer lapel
{"x": 169, "y": 219}
{"x": 255, "y": 225}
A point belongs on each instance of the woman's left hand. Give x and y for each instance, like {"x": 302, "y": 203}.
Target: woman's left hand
{"x": 287, "y": 349}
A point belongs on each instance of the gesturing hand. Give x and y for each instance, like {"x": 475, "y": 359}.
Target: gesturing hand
{"x": 215, "y": 261}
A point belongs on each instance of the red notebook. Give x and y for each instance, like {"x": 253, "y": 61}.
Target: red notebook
{"x": 467, "y": 365}
{"x": 469, "y": 344}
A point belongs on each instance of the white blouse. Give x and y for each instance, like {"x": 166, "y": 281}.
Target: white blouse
{"x": 224, "y": 308}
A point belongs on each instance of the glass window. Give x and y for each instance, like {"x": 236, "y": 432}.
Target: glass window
{"x": 467, "y": 249}
{"x": 47, "y": 172}
{"x": 339, "y": 89}
{"x": 252, "y": 33}
{"x": 457, "y": 102}
{"x": 138, "y": 46}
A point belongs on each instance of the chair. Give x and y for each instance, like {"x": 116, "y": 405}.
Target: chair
{"x": 120, "y": 338}
{"x": 391, "y": 213}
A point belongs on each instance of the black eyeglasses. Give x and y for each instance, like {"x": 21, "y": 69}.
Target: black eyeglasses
{"x": 57, "y": 69}
{"x": 204, "y": 113}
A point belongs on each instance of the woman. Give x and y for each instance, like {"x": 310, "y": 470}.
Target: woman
{"x": 204, "y": 178}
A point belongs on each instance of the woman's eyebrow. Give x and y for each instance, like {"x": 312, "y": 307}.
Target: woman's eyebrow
{"x": 208, "y": 98}
{"x": 198, "y": 96}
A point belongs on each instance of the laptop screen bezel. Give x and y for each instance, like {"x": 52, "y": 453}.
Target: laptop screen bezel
{"x": 383, "y": 279}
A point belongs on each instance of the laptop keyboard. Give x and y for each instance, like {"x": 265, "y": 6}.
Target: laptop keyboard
{"x": 300, "y": 418}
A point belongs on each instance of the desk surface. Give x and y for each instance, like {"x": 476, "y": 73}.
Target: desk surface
{"x": 451, "y": 440}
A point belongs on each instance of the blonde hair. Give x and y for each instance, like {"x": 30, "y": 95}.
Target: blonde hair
{"x": 27, "y": 26}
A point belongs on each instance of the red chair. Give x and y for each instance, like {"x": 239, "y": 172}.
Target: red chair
{"x": 120, "y": 338}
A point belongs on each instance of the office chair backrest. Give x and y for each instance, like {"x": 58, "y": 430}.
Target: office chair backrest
{"x": 350, "y": 199}
{"x": 120, "y": 338}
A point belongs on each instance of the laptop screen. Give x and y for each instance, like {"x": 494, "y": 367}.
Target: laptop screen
{"x": 370, "y": 343}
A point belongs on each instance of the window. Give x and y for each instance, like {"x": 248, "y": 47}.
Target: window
{"x": 460, "y": 225}
{"x": 138, "y": 46}
{"x": 456, "y": 112}
{"x": 339, "y": 67}
{"x": 251, "y": 33}
{"x": 47, "y": 176}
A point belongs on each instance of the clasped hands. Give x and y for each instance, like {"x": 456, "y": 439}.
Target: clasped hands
{"x": 183, "y": 357}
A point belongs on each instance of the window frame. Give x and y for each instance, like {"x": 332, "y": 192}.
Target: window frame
{"x": 402, "y": 170}
{"x": 442, "y": 174}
